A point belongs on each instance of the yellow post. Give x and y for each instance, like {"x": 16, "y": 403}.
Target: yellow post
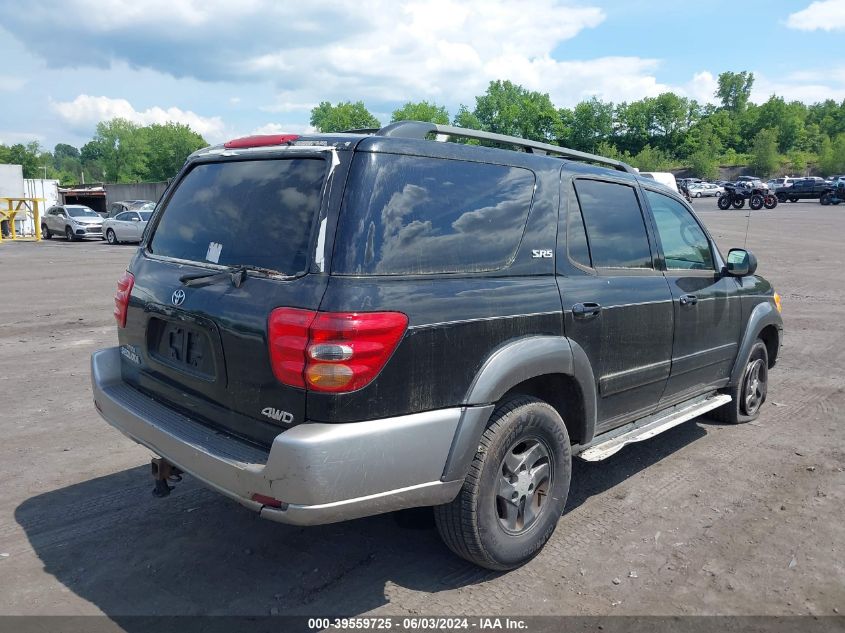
{"x": 13, "y": 213}
{"x": 37, "y": 217}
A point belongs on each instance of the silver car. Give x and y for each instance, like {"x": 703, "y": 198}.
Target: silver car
{"x": 73, "y": 221}
{"x": 126, "y": 227}
{"x": 705, "y": 189}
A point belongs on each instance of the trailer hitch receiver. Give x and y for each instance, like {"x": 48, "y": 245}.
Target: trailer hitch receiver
{"x": 163, "y": 472}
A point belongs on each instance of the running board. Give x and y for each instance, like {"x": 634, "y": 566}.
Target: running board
{"x": 650, "y": 426}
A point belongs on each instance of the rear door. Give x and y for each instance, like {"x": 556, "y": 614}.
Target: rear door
{"x": 617, "y": 305}
{"x": 706, "y": 306}
{"x": 201, "y": 344}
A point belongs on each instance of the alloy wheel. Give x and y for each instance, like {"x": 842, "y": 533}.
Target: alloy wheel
{"x": 525, "y": 477}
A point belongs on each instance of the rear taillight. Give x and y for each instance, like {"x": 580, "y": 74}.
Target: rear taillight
{"x": 121, "y": 297}
{"x": 332, "y": 351}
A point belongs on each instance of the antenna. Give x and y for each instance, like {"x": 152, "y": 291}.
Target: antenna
{"x": 747, "y": 224}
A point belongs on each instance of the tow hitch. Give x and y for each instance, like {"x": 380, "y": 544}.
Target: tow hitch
{"x": 164, "y": 471}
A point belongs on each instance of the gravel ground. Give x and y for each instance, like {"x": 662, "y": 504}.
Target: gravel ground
{"x": 704, "y": 519}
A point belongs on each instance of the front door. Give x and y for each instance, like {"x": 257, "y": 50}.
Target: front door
{"x": 706, "y": 305}
{"x": 617, "y": 305}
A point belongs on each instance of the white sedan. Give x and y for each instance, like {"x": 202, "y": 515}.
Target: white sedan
{"x": 126, "y": 227}
{"x": 704, "y": 189}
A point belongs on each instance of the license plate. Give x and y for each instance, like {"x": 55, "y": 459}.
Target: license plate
{"x": 184, "y": 347}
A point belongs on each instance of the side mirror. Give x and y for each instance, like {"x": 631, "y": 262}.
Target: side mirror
{"x": 136, "y": 219}
{"x": 741, "y": 263}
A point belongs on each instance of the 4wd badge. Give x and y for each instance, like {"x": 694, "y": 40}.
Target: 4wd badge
{"x": 277, "y": 414}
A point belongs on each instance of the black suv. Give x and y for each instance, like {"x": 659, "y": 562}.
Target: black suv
{"x": 331, "y": 326}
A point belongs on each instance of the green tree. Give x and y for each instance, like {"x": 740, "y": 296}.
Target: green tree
{"x": 764, "y": 152}
{"x": 508, "y": 108}
{"x": 832, "y": 155}
{"x": 592, "y": 123}
{"x": 122, "y": 148}
{"x": 343, "y": 116}
{"x": 422, "y": 111}
{"x": 168, "y": 146}
{"x": 28, "y": 156}
{"x": 651, "y": 159}
{"x": 735, "y": 90}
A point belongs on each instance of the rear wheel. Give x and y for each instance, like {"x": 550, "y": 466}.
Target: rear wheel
{"x": 515, "y": 490}
{"x": 69, "y": 234}
{"x": 770, "y": 201}
{"x": 756, "y": 202}
{"x": 793, "y": 199}
{"x": 724, "y": 202}
{"x": 738, "y": 203}
{"x": 45, "y": 232}
{"x": 825, "y": 199}
{"x": 749, "y": 393}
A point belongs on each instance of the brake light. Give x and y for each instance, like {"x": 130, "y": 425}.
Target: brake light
{"x": 332, "y": 351}
{"x": 260, "y": 140}
{"x": 121, "y": 297}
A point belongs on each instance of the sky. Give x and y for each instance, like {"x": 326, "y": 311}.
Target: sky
{"x": 230, "y": 68}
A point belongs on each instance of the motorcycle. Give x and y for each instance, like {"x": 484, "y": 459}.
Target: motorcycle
{"x": 834, "y": 195}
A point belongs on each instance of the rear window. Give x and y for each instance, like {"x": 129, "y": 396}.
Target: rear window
{"x": 413, "y": 215}
{"x": 253, "y": 213}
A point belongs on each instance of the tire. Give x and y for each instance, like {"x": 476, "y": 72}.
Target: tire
{"x": 697, "y": 194}
{"x": 770, "y": 201}
{"x": 738, "y": 410}
{"x": 738, "y": 203}
{"x": 45, "y": 232}
{"x": 479, "y": 525}
{"x": 793, "y": 199}
{"x": 756, "y": 202}
{"x": 825, "y": 199}
{"x": 111, "y": 238}
{"x": 781, "y": 197}
{"x": 724, "y": 202}
{"x": 69, "y": 234}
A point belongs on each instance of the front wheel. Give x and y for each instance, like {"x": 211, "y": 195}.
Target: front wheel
{"x": 697, "y": 194}
{"x": 756, "y": 202}
{"x": 749, "y": 393}
{"x": 724, "y": 202}
{"x": 738, "y": 203}
{"x": 69, "y": 234}
{"x": 515, "y": 490}
{"x": 111, "y": 238}
{"x": 793, "y": 199}
{"x": 825, "y": 199}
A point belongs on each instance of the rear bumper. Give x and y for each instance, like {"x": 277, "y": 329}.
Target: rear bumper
{"x": 322, "y": 473}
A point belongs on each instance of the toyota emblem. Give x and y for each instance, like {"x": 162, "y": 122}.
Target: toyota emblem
{"x": 178, "y": 297}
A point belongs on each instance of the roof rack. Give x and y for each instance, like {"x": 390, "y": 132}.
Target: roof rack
{"x": 420, "y": 130}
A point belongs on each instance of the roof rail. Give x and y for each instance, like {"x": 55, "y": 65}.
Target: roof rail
{"x": 420, "y": 130}
{"x": 360, "y": 130}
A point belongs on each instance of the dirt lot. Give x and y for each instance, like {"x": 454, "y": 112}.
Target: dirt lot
{"x": 703, "y": 519}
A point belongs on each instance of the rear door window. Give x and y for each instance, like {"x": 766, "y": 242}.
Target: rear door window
{"x": 416, "y": 215}
{"x": 614, "y": 222}
{"x": 254, "y": 213}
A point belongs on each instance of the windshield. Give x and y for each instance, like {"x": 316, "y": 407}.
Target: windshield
{"x": 146, "y": 215}
{"x": 255, "y": 213}
{"x": 81, "y": 212}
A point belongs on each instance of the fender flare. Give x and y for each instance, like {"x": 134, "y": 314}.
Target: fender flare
{"x": 763, "y": 315}
{"x": 508, "y": 366}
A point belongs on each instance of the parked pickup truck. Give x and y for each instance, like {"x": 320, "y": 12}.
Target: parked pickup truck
{"x": 802, "y": 189}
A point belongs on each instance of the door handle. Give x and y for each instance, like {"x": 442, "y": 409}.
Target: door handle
{"x": 688, "y": 300}
{"x": 586, "y": 310}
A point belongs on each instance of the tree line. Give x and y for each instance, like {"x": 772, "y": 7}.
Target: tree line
{"x": 654, "y": 134}
{"x": 121, "y": 151}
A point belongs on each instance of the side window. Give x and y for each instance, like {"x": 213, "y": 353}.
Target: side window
{"x": 417, "y": 215}
{"x": 123, "y": 217}
{"x": 616, "y": 232}
{"x": 685, "y": 245}
{"x": 576, "y": 238}
{"x": 61, "y": 212}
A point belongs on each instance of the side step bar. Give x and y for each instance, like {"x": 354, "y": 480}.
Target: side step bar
{"x": 603, "y": 447}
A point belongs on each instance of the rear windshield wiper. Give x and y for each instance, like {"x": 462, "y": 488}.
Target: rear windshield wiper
{"x": 235, "y": 274}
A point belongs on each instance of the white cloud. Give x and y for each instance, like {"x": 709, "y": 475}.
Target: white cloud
{"x": 284, "y": 128}
{"x": 824, "y": 15}
{"x": 702, "y": 87}
{"x": 87, "y": 111}
{"x": 806, "y": 86}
